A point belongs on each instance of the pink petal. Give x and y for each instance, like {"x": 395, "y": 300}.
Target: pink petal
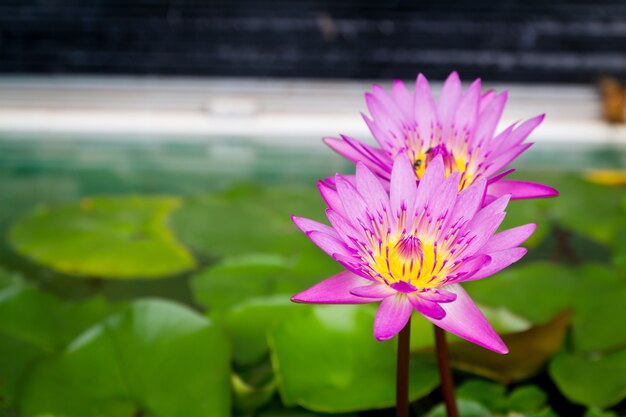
{"x": 384, "y": 138}
{"x": 509, "y": 238}
{"x": 389, "y": 102}
{"x": 521, "y": 189}
{"x": 485, "y": 223}
{"x": 430, "y": 309}
{"x": 449, "y": 101}
{"x": 442, "y": 201}
{"x": 334, "y": 290}
{"x": 469, "y": 268}
{"x": 425, "y": 109}
{"x": 403, "y": 97}
{"x": 371, "y": 189}
{"x": 438, "y": 295}
{"x": 403, "y": 187}
{"x": 433, "y": 176}
{"x": 392, "y": 315}
{"x": 377, "y": 290}
{"x": 343, "y": 227}
{"x": 518, "y": 135}
{"x": 489, "y": 118}
{"x": 486, "y": 99}
{"x": 385, "y": 118}
{"x": 329, "y": 244}
{"x": 505, "y": 158}
{"x": 467, "y": 112}
{"x": 499, "y": 261}
{"x": 465, "y": 320}
{"x": 354, "y": 206}
{"x": 308, "y": 226}
{"x": 468, "y": 203}
{"x": 331, "y": 197}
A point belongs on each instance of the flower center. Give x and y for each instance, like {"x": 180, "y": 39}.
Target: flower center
{"x": 409, "y": 260}
{"x": 450, "y": 161}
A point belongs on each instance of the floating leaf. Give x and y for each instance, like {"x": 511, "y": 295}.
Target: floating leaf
{"x": 548, "y": 287}
{"x": 326, "y": 359}
{"x": 600, "y": 301}
{"x": 466, "y": 408}
{"x": 34, "y": 324}
{"x": 527, "y": 399}
{"x": 249, "y": 398}
{"x": 154, "y": 358}
{"x": 596, "y": 381}
{"x": 249, "y": 322}
{"x": 104, "y": 237}
{"x": 235, "y": 279}
{"x": 594, "y": 412}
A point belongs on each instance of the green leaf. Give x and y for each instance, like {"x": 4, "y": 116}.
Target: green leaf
{"x": 236, "y": 279}
{"x": 219, "y": 225}
{"x": 589, "y": 209}
{"x": 326, "y": 359}
{"x": 488, "y": 394}
{"x": 34, "y": 324}
{"x": 104, "y": 237}
{"x": 592, "y": 381}
{"x": 248, "y": 324}
{"x": 598, "y": 306}
{"x": 299, "y": 413}
{"x": 153, "y": 358}
{"x": 549, "y": 288}
{"x": 594, "y": 412}
{"x": 467, "y": 408}
{"x": 527, "y": 399}
{"x": 10, "y": 279}
{"x": 249, "y": 398}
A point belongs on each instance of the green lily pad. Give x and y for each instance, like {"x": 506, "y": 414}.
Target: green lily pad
{"x": 326, "y": 359}
{"x": 527, "y": 399}
{"x": 104, "y": 237}
{"x": 594, "y": 412}
{"x": 596, "y": 381}
{"x": 489, "y": 394}
{"x": 34, "y": 324}
{"x": 589, "y": 209}
{"x": 536, "y": 292}
{"x": 153, "y": 358}
{"x": 248, "y": 324}
{"x": 466, "y": 408}
{"x": 248, "y": 398}
{"x": 236, "y": 279}
{"x": 600, "y": 302}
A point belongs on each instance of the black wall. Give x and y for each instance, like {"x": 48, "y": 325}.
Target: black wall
{"x": 551, "y": 41}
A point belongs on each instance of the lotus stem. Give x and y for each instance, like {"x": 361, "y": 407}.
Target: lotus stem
{"x": 402, "y": 372}
{"x": 447, "y": 384}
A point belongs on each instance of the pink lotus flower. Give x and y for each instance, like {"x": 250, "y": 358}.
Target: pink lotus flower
{"x": 412, "y": 247}
{"x": 460, "y": 127}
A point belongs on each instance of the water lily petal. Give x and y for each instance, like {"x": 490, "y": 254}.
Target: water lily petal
{"x": 509, "y": 238}
{"x": 465, "y": 320}
{"x": 430, "y": 309}
{"x": 499, "y": 261}
{"x": 376, "y": 290}
{"x": 334, "y": 290}
{"x": 521, "y": 189}
{"x": 392, "y": 315}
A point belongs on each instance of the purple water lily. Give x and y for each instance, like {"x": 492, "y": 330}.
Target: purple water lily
{"x": 411, "y": 247}
{"x": 460, "y": 127}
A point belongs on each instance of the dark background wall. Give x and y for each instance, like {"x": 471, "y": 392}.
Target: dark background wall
{"x": 512, "y": 40}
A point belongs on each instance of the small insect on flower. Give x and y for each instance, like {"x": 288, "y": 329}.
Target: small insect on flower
{"x": 460, "y": 127}
{"x": 411, "y": 247}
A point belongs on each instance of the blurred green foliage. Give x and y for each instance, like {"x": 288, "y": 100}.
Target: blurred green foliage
{"x": 230, "y": 342}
